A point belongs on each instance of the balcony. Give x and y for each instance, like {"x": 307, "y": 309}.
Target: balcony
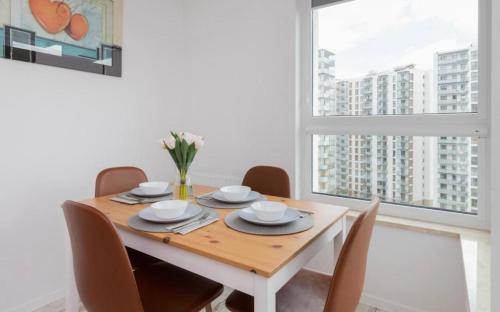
{"x": 453, "y": 71}
{"x": 457, "y": 102}
{"x": 457, "y": 92}
{"x": 458, "y": 61}
{"x": 456, "y": 182}
{"x": 453, "y": 80}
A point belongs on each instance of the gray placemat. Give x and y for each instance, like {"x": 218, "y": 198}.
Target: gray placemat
{"x": 212, "y": 203}
{"x": 141, "y": 225}
{"x": 233, "y": 221}
{"x": 127, "y": 198}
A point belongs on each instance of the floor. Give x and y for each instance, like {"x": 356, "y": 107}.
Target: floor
{"x": 218, "y": 305}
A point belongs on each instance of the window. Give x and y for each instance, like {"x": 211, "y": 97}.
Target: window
{"x": 408, "y": 175}
{"x": 398, "y": 112}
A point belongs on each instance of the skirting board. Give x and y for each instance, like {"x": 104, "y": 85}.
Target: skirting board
{"x": 39, "y": 302}
{"x": 365, "y": 299}
{"x": 386, "y": 305}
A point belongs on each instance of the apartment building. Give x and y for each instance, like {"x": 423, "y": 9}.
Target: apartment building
{"x": 457, "y": 91}
{"x": 325, "y": 82}
{"x": 362, "y": 166}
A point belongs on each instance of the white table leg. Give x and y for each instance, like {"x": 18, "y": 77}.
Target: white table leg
{"x": 265, "y": 295}
{"x": 338, "y": 241}
{"x": 72, "y": 297}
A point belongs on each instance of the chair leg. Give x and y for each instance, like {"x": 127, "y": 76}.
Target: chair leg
{"x": 208, "y": 308}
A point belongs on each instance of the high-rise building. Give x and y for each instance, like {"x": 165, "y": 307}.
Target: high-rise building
{"x": 457, "y": 91}
{"x": 325, "y": 83}
{"x": 360, "y": 165}
{"x": 439, "y": 172}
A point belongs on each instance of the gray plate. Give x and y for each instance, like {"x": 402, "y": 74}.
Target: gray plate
{"x": 149, "y": 215}
{"x": 249, "y": 215}
{"x": 212, "y": 203}
{"x": 233, "y": 221}
{"x": 252, "y": 196}
{"x": 140, "y": 225}
{"x": 138, "y": 192}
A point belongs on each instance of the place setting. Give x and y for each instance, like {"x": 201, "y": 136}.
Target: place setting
{"x": 230, "y": 197}
{"x": 147, "y": 192}
{"x": 269, "y": 218}
{"x": 172, "y": 216}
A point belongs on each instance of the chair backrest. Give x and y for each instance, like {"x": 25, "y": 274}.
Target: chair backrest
{"x": 118, "y": 180}
{"x": 103, "y": 273}
{"x": 268, "y": 180}
{"x": 349, "y": 276}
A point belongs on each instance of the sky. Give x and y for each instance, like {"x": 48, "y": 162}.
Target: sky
{"x": 379, "y": 35}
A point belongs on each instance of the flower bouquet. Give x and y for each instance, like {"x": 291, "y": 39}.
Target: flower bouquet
{"x": 182, "y": 147}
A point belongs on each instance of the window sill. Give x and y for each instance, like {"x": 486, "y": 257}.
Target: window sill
{"x": 427, "y": 227}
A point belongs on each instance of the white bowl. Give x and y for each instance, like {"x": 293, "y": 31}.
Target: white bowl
{"x": 269, "y": 211}
{"x": 153, "y": 188}
{"x": 170, "y": 209}
{"x": 235, "y": 192}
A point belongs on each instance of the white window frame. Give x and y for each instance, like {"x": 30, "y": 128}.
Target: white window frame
{"x": 463, "y": 124}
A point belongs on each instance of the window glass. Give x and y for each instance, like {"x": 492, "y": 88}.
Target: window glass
{"x": 396, "y": 57}
{"x": 432, "y": 172}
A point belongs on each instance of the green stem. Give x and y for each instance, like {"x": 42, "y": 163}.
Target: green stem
{"x": 183, "y": 187}
{"x": 183, "y": 175}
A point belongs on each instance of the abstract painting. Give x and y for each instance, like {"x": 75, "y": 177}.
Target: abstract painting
{"x": 84, "y": 35}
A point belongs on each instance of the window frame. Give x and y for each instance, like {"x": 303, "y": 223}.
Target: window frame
{"x": 459, "y": 124}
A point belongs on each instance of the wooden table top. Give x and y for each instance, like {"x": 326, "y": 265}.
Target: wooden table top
{"x": 261, "y": 254}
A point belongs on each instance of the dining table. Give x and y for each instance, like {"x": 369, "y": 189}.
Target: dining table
{"x": 254, "y": 264}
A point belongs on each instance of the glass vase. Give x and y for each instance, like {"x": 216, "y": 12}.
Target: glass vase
{"x": 182, "y": 185}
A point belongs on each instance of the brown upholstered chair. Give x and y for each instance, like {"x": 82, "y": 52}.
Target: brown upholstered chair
{"x": 118, "y": 180}
{"x": 309, "y": 291}
{"x": 268, "y": 180}
{"x": 106, "y": 281}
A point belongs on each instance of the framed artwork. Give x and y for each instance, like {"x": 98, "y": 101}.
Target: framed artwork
{"x": 83, "y": 35}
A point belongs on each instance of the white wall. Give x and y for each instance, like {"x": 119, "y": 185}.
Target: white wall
{"x": 495, "y": 154}
{"x": 241, "y": 64}
{"x": 58, "y": 128}
{"x": 409, "y": 271}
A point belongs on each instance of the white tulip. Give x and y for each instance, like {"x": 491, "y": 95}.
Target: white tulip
{"x": 169, "y": 142}
{"x": 198, "y": 143}
{"x": 162, "y": 143}
{"x": 189, "y": 138}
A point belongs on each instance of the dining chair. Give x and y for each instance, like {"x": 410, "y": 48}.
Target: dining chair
{"x": 310, "y": 291}
{"x": 268, "y": 180}
{"x": 105, "y": 279}
{"x": 118, "y": 180}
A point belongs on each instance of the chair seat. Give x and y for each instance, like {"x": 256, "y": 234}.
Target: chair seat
{"x": 139, "y": 259}
{"x": 306, "y": 291}
{"x": 164, "y": 287}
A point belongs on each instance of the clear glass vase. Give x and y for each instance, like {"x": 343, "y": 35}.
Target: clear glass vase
{"x": 182, "y": 185}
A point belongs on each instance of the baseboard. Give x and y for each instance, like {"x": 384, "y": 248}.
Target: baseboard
{"x": 316, "y": 271}
{"x": 387, "y": 305}
{"x": 367, "y": 299}
{"x": 39, "y": 302}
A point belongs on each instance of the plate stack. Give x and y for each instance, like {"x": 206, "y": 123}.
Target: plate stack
{"x": 178, "y": 216}
{"x": 230, "y": 197}
{"x": 269, "y": 218}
